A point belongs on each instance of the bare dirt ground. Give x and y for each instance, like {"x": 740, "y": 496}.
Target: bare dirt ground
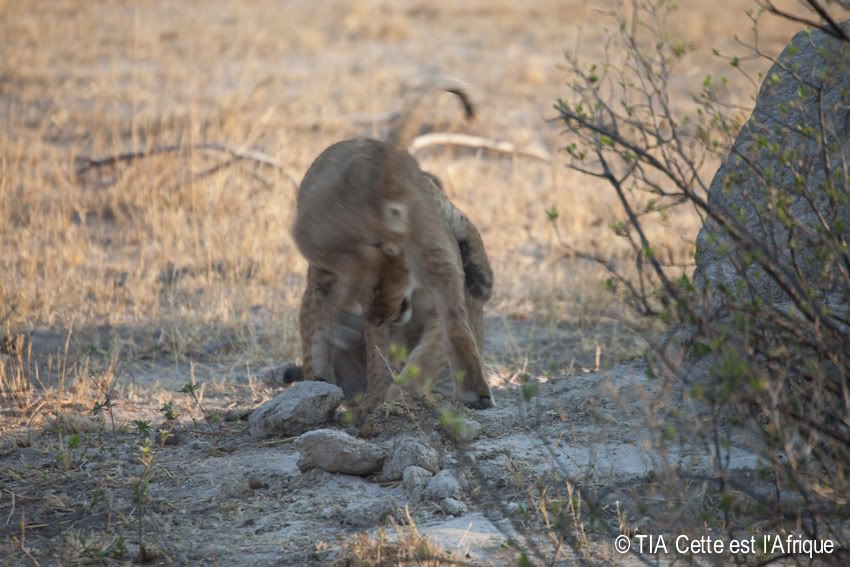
{"x": 130, "y": 281}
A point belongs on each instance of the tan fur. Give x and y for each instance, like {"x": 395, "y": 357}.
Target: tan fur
{"x": 365, "y": 208}
{"x": 421, "y": 336}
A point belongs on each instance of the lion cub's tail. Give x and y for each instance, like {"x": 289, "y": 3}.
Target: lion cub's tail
{"x": 407, "y": 128}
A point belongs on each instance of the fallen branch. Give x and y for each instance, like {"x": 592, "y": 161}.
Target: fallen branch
{"x": 85, "y": 163}
{"x": 465, "y": 140}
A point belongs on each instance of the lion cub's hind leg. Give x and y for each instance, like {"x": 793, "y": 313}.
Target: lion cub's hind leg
{"x": 439, "y": 269}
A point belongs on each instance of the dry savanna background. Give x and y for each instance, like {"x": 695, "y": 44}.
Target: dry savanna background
{"x": 125, "y": 274}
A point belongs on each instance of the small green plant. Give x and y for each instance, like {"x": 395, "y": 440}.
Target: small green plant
{"x": 348, "y": 417}
{"x": 191, "y": 388}
{"x": 167, "y": 411}
{"x": 529, "y": 388}
{"x": 164, "y": 434}
{"x": 106, "y": 406}
{"x": 65, "y": 456}
{"x": 143, "y": 428}
{"x": 141, "y": 496}
{"x": 398, "y": 359}
{"x": 453, "y": 424}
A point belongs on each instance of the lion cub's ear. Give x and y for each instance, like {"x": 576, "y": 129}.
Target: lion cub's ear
{"x": 395, "y": 221}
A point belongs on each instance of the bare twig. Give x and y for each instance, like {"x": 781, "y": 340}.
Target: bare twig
{"x": 24, "y": 540}
{"x": 12, "y": 511}
{"x": 85, "y": 163}
{"x": 465, "y": 140}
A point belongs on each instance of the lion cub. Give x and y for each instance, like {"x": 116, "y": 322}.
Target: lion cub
{"x": 416, "y": 327}
{"x": 367, "y": 216}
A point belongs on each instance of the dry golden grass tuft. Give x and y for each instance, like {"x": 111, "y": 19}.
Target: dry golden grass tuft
{"x": 73, "y": 422}
{"x": 405, "y": 546}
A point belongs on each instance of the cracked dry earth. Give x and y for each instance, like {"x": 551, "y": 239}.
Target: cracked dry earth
{"x": 219, "y": 497}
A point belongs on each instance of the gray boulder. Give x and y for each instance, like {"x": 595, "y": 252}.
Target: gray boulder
{"x": 295, "y": 410}
{"x": 406, "y": 452}
{"x": 443, "y": 485}
{"x": 415, "y": 480}
{"x": 369, "y": 513}
{"x": 779, "y": 154}
{"x": 338, "y": 452}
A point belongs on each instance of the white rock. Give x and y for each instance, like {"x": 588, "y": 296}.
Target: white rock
{"x": 296, "y": 410}
{"x": 338, "y": 452}
{"x": 406, "y": 452}
{"x": 453, "y": 507}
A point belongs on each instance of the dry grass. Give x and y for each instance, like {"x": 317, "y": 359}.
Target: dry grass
{"x": 403, "y": 546}
{"x": 174, "y": 257}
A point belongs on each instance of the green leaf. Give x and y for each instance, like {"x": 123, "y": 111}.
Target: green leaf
{"x": 700, "y": 349}
{"x": 529, "y": 391}
{"x": 453, "y": 423}
{"x": 189, "y": 388}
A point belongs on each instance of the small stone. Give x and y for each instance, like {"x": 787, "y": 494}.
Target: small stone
{"x": 369, "y": 513}
{"x": 414, "y": 480}
{"x": 406, "y": 452}
{"x": 199, "y": 445}
{"x": 338, "y": 452}
{"x": 296, "y": 410}
{"x": 443, "y": 485}
{"x": 453, "y": 507}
